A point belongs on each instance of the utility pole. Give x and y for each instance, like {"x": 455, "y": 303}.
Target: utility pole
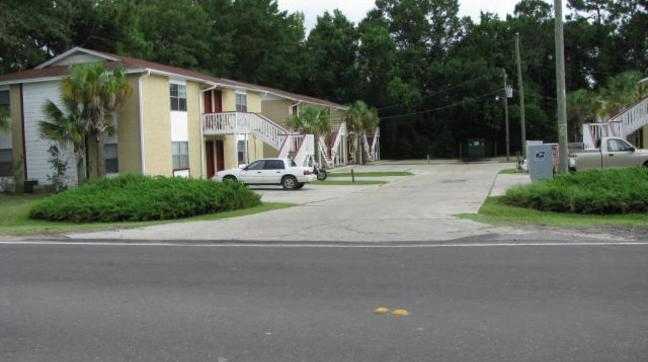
{"x": 560, "y": 85}
{"x": 506, "y": 118}
{"x": 521, "y": 92}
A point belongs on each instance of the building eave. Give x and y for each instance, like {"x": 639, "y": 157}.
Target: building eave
{"x": 72, "y": 51}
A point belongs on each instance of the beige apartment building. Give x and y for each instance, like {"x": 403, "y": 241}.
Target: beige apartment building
{"x": 176, "y": 122}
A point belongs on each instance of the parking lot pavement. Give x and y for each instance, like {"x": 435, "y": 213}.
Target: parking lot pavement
{"x": 309, "y": 194}
{"x": 413, "y": 208}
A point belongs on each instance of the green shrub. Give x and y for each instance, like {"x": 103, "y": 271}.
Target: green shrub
{"x": 612, "y": 191}
{"x": 141, "y": 198}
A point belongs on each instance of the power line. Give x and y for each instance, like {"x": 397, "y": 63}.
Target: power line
{"x": 465, "y": 100}
{"x": 438, "y": 92}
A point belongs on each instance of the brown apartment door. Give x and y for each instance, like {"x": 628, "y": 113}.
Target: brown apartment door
{"x": 218, "y": 101}
{"x": 208, "y": 102}
{"x": 220, "y": 156}
{"x": 209, "y": 147}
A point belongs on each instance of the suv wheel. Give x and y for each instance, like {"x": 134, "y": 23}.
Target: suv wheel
{"x": 289, "y": 182}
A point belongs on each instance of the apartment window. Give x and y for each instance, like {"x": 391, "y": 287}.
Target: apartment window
{"x": 241, "y": 148}
{"x": 178, "y": 94}
{"x": 295, "y": 110}
{"x": 5, "y": 162}
{"x": 111, "y": 158}
{"x": 241, "y": 102}
{"x": 180, "y": 154}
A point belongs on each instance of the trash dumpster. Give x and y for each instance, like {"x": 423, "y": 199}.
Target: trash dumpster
{"x": 473, "y": 150}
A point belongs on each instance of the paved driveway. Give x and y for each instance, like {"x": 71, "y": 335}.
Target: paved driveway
{"x": 415, "y": 208}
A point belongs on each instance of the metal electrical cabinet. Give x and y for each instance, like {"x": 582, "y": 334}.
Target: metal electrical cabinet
{"x": 541, "y": 161}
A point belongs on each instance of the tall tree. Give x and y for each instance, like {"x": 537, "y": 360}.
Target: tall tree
{"x": 254, "y": 41}
{"x": 98, "y": 93}
{"x": 331, "y": 49}
{"x": 376, "y": 59}
{"x": 360, "y": 119}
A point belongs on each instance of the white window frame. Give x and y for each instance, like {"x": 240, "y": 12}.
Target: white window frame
{"x": 241, "y": 107}
{"x": 182, "y": 95}
{"x": 174, "y": 155}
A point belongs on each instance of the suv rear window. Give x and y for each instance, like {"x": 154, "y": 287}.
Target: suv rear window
{"x": 274, "y": 165}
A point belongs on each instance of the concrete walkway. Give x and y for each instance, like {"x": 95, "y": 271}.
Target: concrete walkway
{"x": 414, "y": 208}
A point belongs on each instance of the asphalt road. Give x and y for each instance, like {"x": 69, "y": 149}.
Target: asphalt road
{"x": 478, "y": 303}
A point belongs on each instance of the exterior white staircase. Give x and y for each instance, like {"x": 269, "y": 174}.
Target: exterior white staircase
{"x": 243, "y": 123}
{"x": 623, "y": 124}
{"x": 299, "y": 147}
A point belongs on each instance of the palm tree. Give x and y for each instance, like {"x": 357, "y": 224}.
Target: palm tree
{"x": 619, "y": 92}
{"x": 315, "y": 121}
{"x": 98, "y": 94}
{"x": 67, "y": 128}
{"x": 360, "y": 118}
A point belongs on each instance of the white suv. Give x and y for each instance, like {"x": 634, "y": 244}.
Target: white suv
{"x": 271, "y": 171}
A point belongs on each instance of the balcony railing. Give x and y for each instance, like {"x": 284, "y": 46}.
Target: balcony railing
{"x": 245, "y": 123}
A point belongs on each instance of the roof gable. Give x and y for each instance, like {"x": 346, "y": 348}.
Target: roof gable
{"x": 76, "y": 55}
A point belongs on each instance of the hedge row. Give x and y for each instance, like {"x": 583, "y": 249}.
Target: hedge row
{"x": 611, "y": 191}
{"x": 141, "y": 198}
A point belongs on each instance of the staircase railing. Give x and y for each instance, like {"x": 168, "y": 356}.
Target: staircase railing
{"x": 623, "y": 124}
{"x": 241, "y": 122}
{"x": 632, "y": 118}
{"x": 338, "y": 139}
{"x": 291, "y": 145}
{"x": 593, "y": 132}
{"x": 306, "y": 150}
{"x": 374, "y": 145}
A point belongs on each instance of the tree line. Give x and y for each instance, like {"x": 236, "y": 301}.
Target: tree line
{"x": 434, "y": 76}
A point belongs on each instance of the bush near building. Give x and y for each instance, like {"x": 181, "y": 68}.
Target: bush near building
{"x": 611, "y": 191}
{"x": 143, "y": 198}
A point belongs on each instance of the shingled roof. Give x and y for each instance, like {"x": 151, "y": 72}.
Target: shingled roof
{"x": 134, "y": 65}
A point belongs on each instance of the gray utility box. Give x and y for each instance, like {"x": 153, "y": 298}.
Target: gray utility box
{"x": 541, "y": 161}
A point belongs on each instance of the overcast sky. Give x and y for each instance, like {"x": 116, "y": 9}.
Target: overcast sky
{"x": 356, "y": 9}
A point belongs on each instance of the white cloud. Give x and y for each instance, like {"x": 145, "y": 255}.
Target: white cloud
{"x": 356, "y": 10}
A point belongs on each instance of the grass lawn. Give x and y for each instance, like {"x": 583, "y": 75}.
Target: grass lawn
{"x": 14, "y": 218}
{"x": 494, "y": 211}
{"x": 345, "y": 183}
{"x": 372, "y": 174}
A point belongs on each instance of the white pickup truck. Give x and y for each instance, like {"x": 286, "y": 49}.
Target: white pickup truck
{"x": 613, "y": 152}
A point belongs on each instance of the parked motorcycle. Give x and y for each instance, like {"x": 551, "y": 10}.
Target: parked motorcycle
{"x": 321, "y": 173}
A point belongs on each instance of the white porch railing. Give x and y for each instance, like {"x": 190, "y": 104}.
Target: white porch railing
{"x": 342, "y": 131}
{"x": 291, "y": 146}
{"x": 632, "y": 118}
{"x": 375, "y": 146}
{"x": 242, "y": 123}
{"x": 306, "y": 150}
{"x": 621, "y": 125}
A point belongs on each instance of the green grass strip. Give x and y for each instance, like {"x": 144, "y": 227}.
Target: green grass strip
{"x": 495, "y": 211}
{"x": 15, "y": 221}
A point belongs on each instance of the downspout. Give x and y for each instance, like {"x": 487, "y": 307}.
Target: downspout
{"x": 140, "y": 94}
{"x": 201, "y": 106}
